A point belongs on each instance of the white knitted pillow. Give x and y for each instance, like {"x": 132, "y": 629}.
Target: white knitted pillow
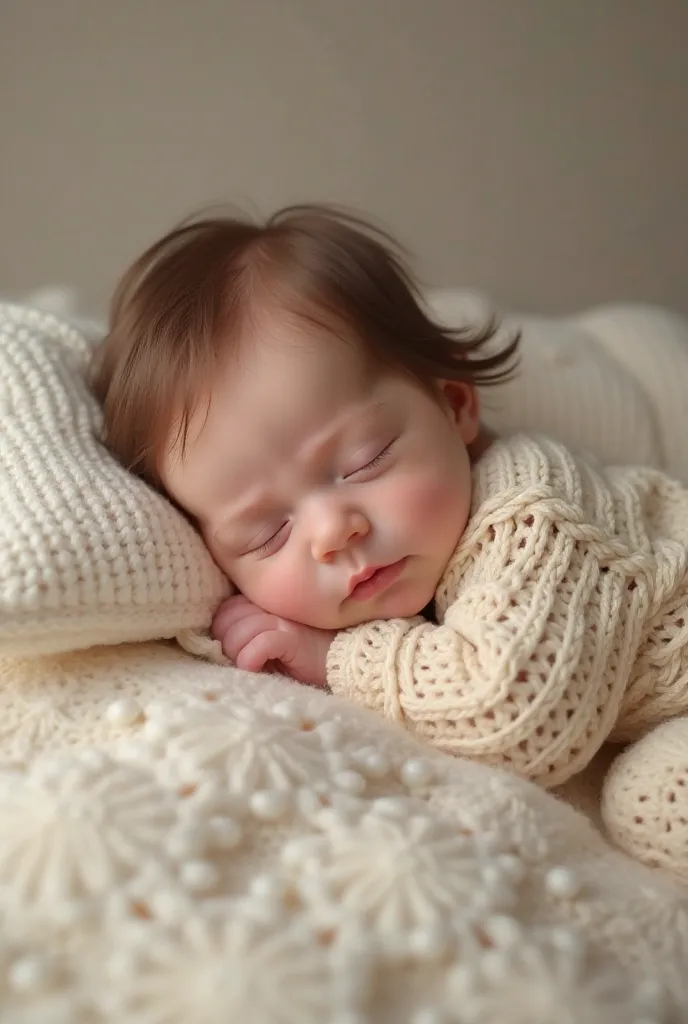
{"x": 611, "y": 380}
{"x": 88, "y": 554}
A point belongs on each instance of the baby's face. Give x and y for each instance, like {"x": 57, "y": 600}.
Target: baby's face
{"x": 330, "y": 494}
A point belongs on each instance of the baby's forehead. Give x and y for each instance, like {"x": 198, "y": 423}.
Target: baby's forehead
{"x": 268, "y": 407}
{"x": 283, "y": 370}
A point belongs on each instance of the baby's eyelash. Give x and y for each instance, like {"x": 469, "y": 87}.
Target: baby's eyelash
{"x": 267, "y": 546}
{"x": 380, "y": 457}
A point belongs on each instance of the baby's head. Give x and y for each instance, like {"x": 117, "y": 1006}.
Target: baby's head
{"x": 282, "y": 384}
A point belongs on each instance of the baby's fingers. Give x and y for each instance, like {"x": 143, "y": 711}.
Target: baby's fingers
{"x": 231, "y": 612}
{"x": 273, "y": 645}
{"x": 242, "y": 633}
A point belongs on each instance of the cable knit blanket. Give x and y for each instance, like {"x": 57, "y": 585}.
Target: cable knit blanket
{"x": 183, "y": 843}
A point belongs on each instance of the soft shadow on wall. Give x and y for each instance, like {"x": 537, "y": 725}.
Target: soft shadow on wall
{"x": 536, "y": 149}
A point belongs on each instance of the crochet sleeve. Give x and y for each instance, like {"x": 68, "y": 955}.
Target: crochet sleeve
{"x": 527, "y": 669}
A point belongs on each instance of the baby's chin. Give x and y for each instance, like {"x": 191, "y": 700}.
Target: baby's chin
{"x": 399, "y": 606}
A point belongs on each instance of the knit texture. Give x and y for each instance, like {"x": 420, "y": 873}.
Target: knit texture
{"x": 563, "y": 618}
{"x": 181, "y": 842}
{"x": 645, "y": 798}
{"x": 88, "y": 554}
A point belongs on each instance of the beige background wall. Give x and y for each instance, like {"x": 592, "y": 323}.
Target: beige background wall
{"x": 536, "y": 148}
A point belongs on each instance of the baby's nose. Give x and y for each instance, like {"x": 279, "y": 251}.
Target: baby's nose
{"x": 335, "y": 530}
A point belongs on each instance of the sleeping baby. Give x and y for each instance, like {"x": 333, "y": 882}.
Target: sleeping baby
{"x": 507, "y": 600}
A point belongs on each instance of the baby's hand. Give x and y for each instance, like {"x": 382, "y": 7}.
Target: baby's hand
{"x": 253, "y": 638}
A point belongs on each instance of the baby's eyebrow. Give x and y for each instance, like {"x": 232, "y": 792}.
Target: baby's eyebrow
{"x": 354, "y": 419}
{"x": 241, "y": 515}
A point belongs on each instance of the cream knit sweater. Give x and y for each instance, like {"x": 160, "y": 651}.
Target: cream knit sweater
{"x": 563, "y": 618}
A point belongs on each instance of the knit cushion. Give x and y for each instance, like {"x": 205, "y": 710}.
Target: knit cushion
{"x": 611, "y": 380}
{"x": 88, "y": 554}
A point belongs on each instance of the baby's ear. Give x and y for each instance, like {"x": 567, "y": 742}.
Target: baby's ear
{"x": 462, "y": 401}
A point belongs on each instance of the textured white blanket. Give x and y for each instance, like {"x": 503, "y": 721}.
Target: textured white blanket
{"x": 184, "y": 844}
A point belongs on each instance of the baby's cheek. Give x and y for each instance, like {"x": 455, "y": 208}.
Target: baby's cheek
{"x": 272, "y": 590}
{"x": 425, "y": 500}
{"x": 280, "y": 588}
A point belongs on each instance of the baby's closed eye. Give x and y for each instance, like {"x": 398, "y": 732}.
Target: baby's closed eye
{"x": 275, "y": 537}
{"x": 373, "y": 463}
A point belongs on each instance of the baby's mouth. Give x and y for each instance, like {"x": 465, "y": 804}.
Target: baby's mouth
{"x": 374, "y": 579}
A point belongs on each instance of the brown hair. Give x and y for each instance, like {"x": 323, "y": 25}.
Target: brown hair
{"x": 177, "y": 308}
